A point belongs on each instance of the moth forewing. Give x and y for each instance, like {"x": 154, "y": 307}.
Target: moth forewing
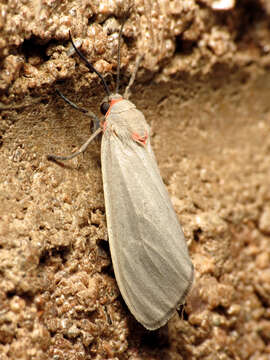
{"x": 149, "y": 253}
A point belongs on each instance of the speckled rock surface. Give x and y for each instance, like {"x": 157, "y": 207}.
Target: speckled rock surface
{"x": 204, "y": 88}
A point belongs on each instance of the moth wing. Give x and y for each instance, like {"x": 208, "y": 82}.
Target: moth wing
{"x": 148, "y": 249}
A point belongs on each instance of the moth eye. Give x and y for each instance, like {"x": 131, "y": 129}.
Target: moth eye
{"x": 104, "y": 107}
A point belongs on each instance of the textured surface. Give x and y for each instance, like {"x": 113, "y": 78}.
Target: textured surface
{"x": 204, "y": 89}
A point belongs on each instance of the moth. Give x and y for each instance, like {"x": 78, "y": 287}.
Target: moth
{"x": 148, "y": 249}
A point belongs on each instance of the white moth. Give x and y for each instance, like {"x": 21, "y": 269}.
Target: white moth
{"x": 148, "y": 249}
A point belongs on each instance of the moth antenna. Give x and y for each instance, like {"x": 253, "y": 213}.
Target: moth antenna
{"x": 90, "y": 66}
{"x": 119, "y": 56}
{"x": 133, "y": 76}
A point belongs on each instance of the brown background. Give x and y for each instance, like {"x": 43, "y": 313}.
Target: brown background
{"x": 204, "y": 87}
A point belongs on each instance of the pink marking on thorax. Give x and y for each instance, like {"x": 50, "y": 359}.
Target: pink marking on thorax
{"x": 104, "y": 126}
{"x": 112, "y": 102}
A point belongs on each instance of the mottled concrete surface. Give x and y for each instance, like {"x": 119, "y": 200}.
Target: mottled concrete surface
{"x": 204, "y": 89}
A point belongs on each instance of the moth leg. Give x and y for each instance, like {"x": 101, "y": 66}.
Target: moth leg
{"x": 97, "y": 130}
{"x": 81, "y": 150}
{"x": 133, "y": 76}
{"x": 85, "y": 111}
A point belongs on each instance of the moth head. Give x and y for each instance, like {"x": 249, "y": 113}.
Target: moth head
{"x": 106, "y": 102}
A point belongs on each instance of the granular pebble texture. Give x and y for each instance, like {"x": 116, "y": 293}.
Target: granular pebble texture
{"x": 204, "y": 88}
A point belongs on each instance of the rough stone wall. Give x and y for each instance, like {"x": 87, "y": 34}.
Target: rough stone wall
{"x": 204, "y": 88}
